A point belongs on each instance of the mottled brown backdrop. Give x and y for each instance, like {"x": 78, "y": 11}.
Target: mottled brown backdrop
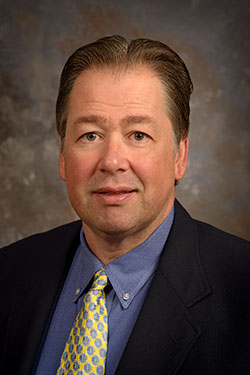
{"x": 35, "y": 39}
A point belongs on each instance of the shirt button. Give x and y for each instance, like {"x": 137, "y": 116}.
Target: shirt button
{"x": 77, "y": 291}
{"x": 126, "y": 296}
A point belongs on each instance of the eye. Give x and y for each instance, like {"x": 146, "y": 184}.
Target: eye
{"x": 139, "y": 136}
{"x": 90, "y": 137}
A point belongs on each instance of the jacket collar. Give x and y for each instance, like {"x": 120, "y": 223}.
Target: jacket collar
{"x": 181, "y": 263}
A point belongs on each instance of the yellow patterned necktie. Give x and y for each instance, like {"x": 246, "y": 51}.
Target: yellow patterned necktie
{"x": 85, "y": 350}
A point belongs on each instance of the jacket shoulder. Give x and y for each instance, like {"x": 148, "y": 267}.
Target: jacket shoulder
{"x": 224, "y": 257}
{"x": 39, "y": 251}
{"x": 221, "y": 255}
{"x": 59, "y": 233}
{"x": 211, "y": 236}
{"x": 31, "y": 264}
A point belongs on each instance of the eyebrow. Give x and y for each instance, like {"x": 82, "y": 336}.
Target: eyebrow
{"x": 130, "y": 120}
{"x": 101, "y": 120}
{"x": 91, "y": 119}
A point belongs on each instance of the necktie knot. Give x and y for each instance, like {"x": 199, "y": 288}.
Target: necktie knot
{"x": 100, "y": 280}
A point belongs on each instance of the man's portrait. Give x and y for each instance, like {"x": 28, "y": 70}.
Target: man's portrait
{"x": 134, "y": 283}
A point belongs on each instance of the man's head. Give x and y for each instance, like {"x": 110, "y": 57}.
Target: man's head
{"x": 124, "y": 136}
{"x": 116, "y": 53}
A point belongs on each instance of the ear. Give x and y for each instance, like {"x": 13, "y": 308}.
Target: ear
{"x": 181, "y": 159}
{"x": 61, "y": 161}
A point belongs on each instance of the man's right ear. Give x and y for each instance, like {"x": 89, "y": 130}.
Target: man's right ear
{"x": 61, "y": 161}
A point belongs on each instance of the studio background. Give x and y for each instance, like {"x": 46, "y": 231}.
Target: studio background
{"x": 36, "y": 37}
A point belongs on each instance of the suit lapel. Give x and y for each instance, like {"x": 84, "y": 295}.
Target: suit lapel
{"x": 165, "y": 331}
{"x": 163, "y": 335}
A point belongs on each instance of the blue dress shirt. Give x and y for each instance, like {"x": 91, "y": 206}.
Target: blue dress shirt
{"x": 130, "y": 277}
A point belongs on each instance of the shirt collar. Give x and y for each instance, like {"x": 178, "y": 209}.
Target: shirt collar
{"x": 89, "y": 265}
{"x": 128, "y": 273}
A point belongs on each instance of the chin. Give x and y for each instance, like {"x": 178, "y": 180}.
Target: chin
{"x": 114, "y": 230}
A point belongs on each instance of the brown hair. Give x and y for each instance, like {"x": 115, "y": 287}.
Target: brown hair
{"x": 116, "y": 52}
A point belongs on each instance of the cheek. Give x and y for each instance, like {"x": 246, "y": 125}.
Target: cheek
{"x": 156, "y": 171}
{"x": 77, "y": 170}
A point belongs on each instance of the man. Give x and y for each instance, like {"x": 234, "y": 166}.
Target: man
{"x": 173, "y": 293}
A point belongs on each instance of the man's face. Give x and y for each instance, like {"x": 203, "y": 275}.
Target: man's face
{"x": 119, "y": 160}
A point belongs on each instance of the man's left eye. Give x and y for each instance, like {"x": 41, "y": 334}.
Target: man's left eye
{"x": 139, "y": 136}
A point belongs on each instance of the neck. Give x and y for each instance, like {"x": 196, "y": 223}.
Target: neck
{"x": 108, "y": 247}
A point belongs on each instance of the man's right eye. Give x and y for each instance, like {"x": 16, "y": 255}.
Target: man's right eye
{"x": 90, "y": 137}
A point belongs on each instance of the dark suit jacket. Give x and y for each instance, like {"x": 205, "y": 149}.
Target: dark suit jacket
{"x": 195, "y": 319}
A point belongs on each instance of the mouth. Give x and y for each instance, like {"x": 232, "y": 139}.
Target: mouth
{"x": 119, "y": 190}
{"x": 114, "y": 196}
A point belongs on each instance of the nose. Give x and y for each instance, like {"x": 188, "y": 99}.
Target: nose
{"x": 114, "y": 156}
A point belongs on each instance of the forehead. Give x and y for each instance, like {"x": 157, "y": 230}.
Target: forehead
{"x": 119, "y": 86}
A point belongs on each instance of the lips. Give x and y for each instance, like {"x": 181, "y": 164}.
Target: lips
{"x": 111, "y": 191}
{"x": 114, "y": 196}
